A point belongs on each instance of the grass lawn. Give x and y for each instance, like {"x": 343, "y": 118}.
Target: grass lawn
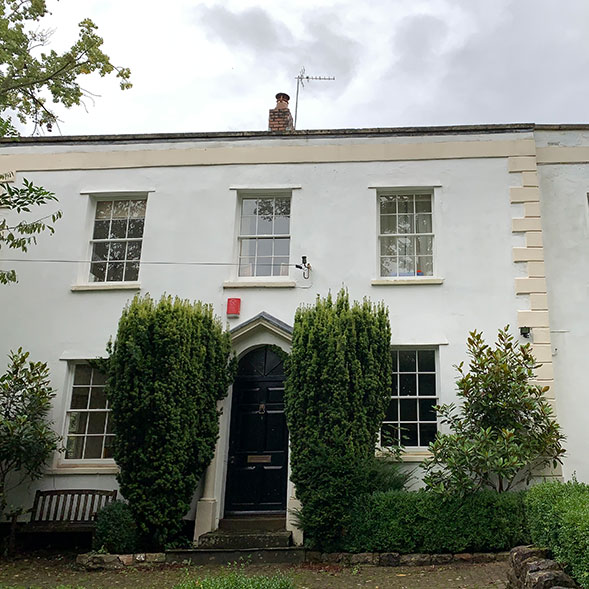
{"x": 58, "y": 571}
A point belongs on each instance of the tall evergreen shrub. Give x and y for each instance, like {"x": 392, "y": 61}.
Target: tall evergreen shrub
{"x": 337, "y": 387}
{"x": 168, "y": 368}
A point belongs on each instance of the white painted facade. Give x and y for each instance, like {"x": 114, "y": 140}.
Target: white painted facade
{"x": 501, "y": 197}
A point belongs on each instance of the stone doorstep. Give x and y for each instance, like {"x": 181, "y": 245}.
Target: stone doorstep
{"x": 280, "y": 555}
{"x": 244, "y": 539}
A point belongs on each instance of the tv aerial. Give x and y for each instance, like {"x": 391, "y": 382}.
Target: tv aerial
{"x": 301, "y": 79}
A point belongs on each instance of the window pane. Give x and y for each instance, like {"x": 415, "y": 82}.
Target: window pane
{"x": 423, "y": 203}
{"x": 394, "y": 358}
{"x": 405, "y": 246}
{"x": 109, "y": 423}
{"x": 137, "y": 209}
{"x": 409, "y": 434}
{"x": 118, "y": 229}
{"x": 265, "y": 225}
{"x": 282, "y": 207}
{"x": 407, "y": 361}
{"x": 114, "y": 272}
{"x": 117, "y": 250}
{"x": 93, "y": 447}
{"x": 120, "y": 209}
{"x": 77, "y": 423}
{"x": 388, "y": 224}
{"x": 388, "y": 267}
{"x": 424, "y": 245}
{"x": 98, "y": 272}
{"x": 281, "y": 247}
{"x": 388, "y": 246}
{"x": 389, "y": 434}
{"x": 248, "y": 247}
{"x": 423, "y": 223}
{"x": 280, "y": 267}
{"x": 248, "y": 225}
{"x": 104, "y": 209}
{"x": 426, "y": 409}
{"x": 131, "y": 271}
{"x": 133, "y": 250}
{"x": 388, "y": 205}
{"x": 108, "y": 443}
{"x": 135, "y": 228}
{"x": 408, "y": 384}
{"x": 101, "y": 229}
{"x": 264, "y": 247}
{"x": 405, "y": 224}
{"x": 406, "y": 266}
{"x": 96, "y": 422}
{"x": 425, "y": 266}
{"x": 100, "y": 251}
{"x": 427, "y": 433}
{"x": 426, "y": 360}
{"x": 281, "y": 225}
{"x": 392, "y": 412}
{"x": 405, "y": 203}
{"x": 249, "y": 206}
{"x": 427, "y": 385}
{"x": 264, "y": 266}
{"x": 408, "y": 409}
{"x": 246, "y": 266}
{"x": 97, "y": 398}
{"x": 74, "y": 447}
{"x": 82, "y": 374}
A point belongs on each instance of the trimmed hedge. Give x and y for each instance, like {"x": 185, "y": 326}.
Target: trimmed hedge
{"x": 558, "y": 518}
{"x": 423, "y": 521}
{"x": 116, "y": 531}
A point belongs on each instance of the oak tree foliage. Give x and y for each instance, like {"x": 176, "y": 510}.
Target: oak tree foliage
{"x": 33, "y": 79}
{"x": 504, "y": 428}
{"x": 168, "y": 367}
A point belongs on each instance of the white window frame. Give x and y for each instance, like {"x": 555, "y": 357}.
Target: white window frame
{"x": 416, "y": 274}
{"x": 64, "y": 460}
{"x": 397, "y": 398}
{"x": 250, "y": 194}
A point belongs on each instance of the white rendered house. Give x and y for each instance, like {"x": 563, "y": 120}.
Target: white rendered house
{"x": 454, "y": 228}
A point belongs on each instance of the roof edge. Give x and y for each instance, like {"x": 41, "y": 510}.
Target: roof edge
{"x": 242, "y": 135}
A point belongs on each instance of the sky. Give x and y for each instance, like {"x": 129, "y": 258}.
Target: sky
{"x": 216, "y": 65}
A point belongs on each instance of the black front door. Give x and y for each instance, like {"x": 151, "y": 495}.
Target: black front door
{"x": 258, "y": 438}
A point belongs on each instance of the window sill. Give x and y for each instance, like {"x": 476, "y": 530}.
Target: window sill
{"x": 413, "y": 455}
{"x": 106, "y": 286}
{"x": 409, "y": 281}
{"x": 79, "y": 467}
{"x": 259, "y": 284}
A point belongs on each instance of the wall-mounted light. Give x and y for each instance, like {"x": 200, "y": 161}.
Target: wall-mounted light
{"x": 305, "y": 267}
{"x": 525, "y": 332}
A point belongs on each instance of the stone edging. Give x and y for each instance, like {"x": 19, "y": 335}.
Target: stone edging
{"x": 530, "y": 568}
{"x": 94, "y": 561}
{"x": 393, "y": 559}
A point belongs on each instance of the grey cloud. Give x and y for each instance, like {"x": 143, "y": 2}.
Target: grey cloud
{"x": 321, "y": 47}
{"x": 416, "y": 42}
{"x": 251, "y": 29}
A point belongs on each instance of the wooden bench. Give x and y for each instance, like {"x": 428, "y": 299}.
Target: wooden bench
{"x": 71, "y": 510}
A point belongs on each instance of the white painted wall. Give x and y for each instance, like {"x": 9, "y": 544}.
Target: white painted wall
{"x": 191, "y": 218}
{"x": 566, "y": 243}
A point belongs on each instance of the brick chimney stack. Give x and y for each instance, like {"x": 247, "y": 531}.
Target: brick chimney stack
{"x": 280, "y": 118}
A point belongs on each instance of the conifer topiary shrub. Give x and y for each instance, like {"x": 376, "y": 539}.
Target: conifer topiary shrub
{"x": 168, "y": 367}
{"x": 337, "y": 387}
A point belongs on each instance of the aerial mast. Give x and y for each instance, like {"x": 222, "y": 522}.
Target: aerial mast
{"x": 301, "y": 79}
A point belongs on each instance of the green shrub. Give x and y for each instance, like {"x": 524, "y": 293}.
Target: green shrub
{"x": 168, "y": 368}
{"x": 338, "y": 384}
{"x": 237, "y": 580}
{"x": 558, "y": 518}
{"x": 423, "y": 521}
{"x": 504, "y": 428}
{"x": 115, "y": 531}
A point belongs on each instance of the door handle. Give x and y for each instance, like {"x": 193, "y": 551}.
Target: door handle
{"x": 262, "y": 409}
